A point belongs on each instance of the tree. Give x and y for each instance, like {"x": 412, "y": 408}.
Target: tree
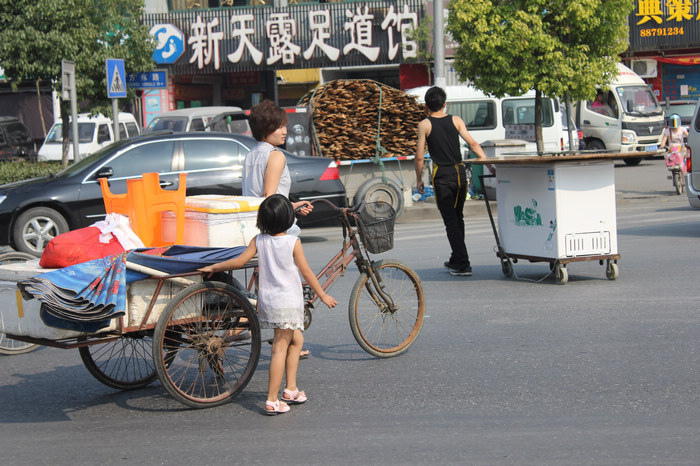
{"x": 423, "y": 35}
{"x": 556, "y": 47}
{"x": 36, "y": 35}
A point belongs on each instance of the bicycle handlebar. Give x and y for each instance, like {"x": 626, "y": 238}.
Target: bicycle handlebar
{"x": 352, "y": 209}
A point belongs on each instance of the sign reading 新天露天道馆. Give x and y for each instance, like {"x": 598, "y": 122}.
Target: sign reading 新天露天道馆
{"x": 298, "y": 36}
{"x": 658, "y": 24}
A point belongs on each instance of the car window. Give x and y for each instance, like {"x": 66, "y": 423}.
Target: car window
{"x": 144, "y": 158}
{"x": 167, "y": 124}
{"x": 522, "y": 112}
{"x": 102, "y": 134}
{"x": 477, "y": 115}
{"x": 212, "y": 153}
{"x": 197, "y": 124}
{"x": 132, "y": 129}
{"x": 122, "y": 131}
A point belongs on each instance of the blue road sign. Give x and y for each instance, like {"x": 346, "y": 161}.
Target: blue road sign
{"x": 116, "y": 78}
{"x": 149, "y": 80}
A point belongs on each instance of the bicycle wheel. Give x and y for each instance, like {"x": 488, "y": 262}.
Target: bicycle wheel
{"x": 387, "y": 329}
{"x": 8, "y": 345}
{"x": 206, "y": 344}
{"x": 124, "y": 363}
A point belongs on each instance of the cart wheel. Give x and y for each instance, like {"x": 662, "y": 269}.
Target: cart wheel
{"x": 612, "y": 271}
{"x": 562, "y": 274}
{"x": 124, "y": 363}
{"x": 507, "y": 267}
{"x": 206, "y": 344}
{"x": 8, "y": 345}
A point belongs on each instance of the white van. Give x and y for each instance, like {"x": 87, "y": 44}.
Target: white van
{"x": 94, "y": 133}
{"x": 489, "y": 118}
{"x": 629, "y": 118}
{"x": 692, "y": 178}
{"x": 197, "y": 119}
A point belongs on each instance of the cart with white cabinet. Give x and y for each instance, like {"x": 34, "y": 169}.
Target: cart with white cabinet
{"x": 556, "y": 209}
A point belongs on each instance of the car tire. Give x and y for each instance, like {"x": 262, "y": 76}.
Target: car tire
{"x": 376, "y": 190}
{"x": 34, "y": 228}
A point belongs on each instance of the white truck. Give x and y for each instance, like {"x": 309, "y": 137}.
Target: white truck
{"x": 624, "y": 118}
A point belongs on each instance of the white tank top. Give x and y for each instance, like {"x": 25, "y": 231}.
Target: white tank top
{"x": 254, "y": 172}
{"x": 280, "y": 296}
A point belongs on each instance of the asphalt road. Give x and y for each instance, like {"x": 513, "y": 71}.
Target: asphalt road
{"x": 506, "y": 370}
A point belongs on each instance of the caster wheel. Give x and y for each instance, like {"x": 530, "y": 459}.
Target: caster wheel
{"x": 507, "y": 267}
{"x": 612, "y": 271}
{"x": 562, "y": 275}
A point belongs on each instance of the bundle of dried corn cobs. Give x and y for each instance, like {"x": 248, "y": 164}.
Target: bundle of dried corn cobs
{"x": 347, "y": 118}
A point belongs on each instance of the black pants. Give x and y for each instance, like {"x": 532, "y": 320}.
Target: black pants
{"x": 450, "y": 184}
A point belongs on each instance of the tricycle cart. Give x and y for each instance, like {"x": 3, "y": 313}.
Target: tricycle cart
{"x": 556, "y": 209}
{"x": 201, "y": 339}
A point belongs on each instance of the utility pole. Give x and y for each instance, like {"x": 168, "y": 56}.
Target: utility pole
{"x": 439, "y": 43}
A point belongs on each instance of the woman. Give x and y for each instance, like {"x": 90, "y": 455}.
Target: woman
{"x": 265, "y": 170}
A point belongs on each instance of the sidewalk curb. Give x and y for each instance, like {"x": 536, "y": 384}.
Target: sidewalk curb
{"x": 427, "y": 210}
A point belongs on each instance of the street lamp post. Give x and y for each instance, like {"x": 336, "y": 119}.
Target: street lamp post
{"x": 439, "y": 43}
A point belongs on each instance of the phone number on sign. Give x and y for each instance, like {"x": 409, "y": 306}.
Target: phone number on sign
{"x": 654, "y": 32}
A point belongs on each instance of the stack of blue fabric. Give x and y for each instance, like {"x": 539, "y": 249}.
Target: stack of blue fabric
{"x": 86, "y": 297}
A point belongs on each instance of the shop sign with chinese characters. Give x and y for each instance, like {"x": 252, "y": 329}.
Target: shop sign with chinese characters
{"x": 298, "y": 36}
{"x": 659, "y": 24}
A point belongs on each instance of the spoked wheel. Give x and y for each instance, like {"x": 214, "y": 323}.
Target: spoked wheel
{"x": 8, "y": 345}
{"x": 206, "y": 344}
{"x": 387, "y": 329}
{"x": 125, "y": 363}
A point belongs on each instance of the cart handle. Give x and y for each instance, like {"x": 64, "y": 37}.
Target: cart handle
{"x": 157, "y": 273}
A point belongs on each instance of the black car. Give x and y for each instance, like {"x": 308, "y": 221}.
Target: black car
{"x": 34, "y": 211}
{"x": 15, "y": 139}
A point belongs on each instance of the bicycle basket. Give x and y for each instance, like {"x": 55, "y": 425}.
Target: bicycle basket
{"x": 376, "y": 224}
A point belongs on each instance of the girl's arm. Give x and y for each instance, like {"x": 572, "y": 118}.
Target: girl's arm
{"x": 309, "y": 276}
{"x": 235, "y": 263}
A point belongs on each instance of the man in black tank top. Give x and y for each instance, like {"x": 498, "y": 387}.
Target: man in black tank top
{"x": 441, "y": 132}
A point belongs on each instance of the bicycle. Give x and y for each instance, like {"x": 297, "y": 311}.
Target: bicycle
{"x": 9, "y": 345}
{"x": 387, "y": 303}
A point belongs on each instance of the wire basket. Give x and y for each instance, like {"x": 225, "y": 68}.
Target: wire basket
{"x": 376, "y": 224}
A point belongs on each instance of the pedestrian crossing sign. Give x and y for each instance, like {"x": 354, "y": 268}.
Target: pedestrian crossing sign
{"x": 116, "y": 78}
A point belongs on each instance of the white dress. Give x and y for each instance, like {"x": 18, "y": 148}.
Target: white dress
{"x": 280, "y": 296}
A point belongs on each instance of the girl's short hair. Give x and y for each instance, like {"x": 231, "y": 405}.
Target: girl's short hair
{"x": 275, "y": 215}
{"x": 265, "y": 118}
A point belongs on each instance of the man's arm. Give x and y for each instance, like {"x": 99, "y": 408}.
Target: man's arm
{"x": 423, "y": 130}
{"x": 471, "y": 142}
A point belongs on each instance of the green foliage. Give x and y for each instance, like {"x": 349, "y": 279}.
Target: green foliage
{"x": 36, "y": 35}
{"x": 423, "y": 35}
{"x": 18, "y": 171}
{"x": 556, "y": 47}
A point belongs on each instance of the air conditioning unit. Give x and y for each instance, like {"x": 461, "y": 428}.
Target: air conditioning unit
{"x": 644, "y": 68}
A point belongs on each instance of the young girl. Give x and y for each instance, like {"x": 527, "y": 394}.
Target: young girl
{"x": 280, "y": 297}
